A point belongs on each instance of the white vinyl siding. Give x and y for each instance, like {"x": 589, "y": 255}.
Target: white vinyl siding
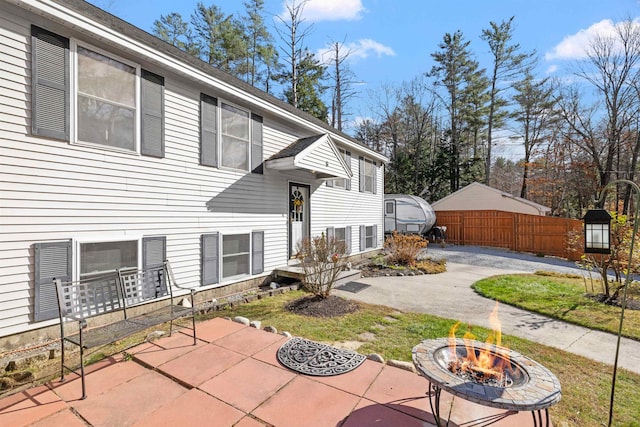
{"x": 55, "y": 191}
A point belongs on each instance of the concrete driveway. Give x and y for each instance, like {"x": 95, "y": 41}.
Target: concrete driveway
{"x": 449, "y": 295}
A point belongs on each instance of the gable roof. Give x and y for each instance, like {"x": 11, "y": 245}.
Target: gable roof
{"x": 483, "y": 187}
{"x": 316, "y": 154}
{"x": 110, "y": 26}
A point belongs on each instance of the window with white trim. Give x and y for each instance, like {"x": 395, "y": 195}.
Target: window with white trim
{"x": 236, "y": 255}
{"x": 105, "y": 257}
{"x": 369, "y": 237}
{"x": 236, "y": 142}
{"x": 344, "y": 182}
{"x": 106, "y": 100}
{"x": 369, "y": 176}
{"x": 82, "y": 94}
{"x": 340, "y": 235}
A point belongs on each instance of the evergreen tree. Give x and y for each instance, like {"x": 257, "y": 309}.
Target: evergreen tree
{"x": 262, "y": 56}
{"x": 310, "y": 73}
{"x": 221, "y": 38}
{"x": 176, "y": 31}
{"x": 508, "y": 64}
{"x": 458, "y": 74}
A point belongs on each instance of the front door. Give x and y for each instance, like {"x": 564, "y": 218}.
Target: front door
{"x": 298, "y": 216}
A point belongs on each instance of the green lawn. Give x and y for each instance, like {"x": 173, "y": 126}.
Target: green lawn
{"x": 585, "y": 384}
{"x": 561, "y": 298}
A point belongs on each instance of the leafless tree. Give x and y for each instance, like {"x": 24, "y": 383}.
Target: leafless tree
{"x": 612, "y": 68}
{"x": 293, "y": 36}
{"x": 343, "y": 81}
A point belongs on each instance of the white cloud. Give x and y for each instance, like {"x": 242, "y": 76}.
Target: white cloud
{"x": 575, "y": 46}
{"x": 328, "y": 10}
{"x": 360, "y": 49}
{"x": 552, "y": 69}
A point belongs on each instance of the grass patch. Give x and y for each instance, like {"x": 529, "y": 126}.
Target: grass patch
{"x": 585, "y": 383}
{"x": 560, "y": 297}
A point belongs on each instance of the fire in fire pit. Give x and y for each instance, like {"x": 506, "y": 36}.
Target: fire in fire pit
{"x": 480, "y": 364}
{"x": 486, "y": 373}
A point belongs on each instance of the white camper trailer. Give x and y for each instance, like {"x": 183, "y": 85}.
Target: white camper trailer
{"x": 405, "y": 213}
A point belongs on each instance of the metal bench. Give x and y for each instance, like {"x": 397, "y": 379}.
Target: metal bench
{"x": 128, "y": 302}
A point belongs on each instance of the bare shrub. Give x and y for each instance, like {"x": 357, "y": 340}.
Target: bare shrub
{"x": 322, "y": 260}
{"x": 404, "y": 248}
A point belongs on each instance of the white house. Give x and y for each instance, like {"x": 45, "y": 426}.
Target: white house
{"x": 119, "y": 150}
{"x": 477, "y": 196}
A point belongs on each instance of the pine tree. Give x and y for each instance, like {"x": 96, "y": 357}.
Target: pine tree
{"x": 508, "y": 64}
{"x": 458, "y": 74}
{"x": 176, "y": 31}
{"x": 262, "y": 56}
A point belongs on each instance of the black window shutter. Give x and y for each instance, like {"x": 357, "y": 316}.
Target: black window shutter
{"x": 154, "y": 253}
{"x": 210, "y": 254}
{"x": 49, "y": 84}
{"x": 347, "y": 238}
{"x": 52, "y": 261}
{"x": 361, "y": 173}
{"x": 208, "y": 130}
{"x": 363, "y": 238}
{"x": 257, "y": 252}
{"x": 347, "y": 182}
{"x": 152, "y": 103}
{"x": 256, "y": 144}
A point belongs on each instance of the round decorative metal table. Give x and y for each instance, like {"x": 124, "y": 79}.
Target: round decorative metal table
{"x": 534, "y": 388}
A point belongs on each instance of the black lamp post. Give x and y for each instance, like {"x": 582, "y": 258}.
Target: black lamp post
{"x": 597, "y": 225}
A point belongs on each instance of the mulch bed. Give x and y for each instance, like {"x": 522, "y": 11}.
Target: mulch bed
{"x": 316, "y": 306}
{"x": 632, "y": 303}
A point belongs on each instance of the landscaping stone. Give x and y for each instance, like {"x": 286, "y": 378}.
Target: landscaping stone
{"x": 256, "y": 324}
{"x": 407, "y": 366}
{"x": 243, "y": 320}
{"x": 185, "y": 302}
{"x": 286, "y": 334}
{"x": 271, "y": 329}
{"x": 375, "y": 357}
{"x": 155, "y": 335}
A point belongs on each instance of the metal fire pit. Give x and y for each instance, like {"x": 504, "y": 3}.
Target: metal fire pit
{"x": 534, "y": 388}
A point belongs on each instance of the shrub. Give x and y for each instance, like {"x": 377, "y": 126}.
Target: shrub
{"x": 404, "y": 248}
{"x": 322, "y": 259}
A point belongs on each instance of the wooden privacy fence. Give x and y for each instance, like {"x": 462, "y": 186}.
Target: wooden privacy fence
{"x": 518, "y": 232}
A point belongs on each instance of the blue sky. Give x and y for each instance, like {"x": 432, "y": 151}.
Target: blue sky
{"x": 391, "y": 40}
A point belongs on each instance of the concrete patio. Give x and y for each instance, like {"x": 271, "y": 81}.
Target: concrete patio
{"x": 232, "y": 378}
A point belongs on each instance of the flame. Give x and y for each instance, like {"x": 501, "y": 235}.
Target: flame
{"x": 480, "y": 363}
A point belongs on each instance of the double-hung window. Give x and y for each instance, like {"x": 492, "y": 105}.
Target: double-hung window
{"x": 236, "y": 143}
{"x": 342, "y": 182}
{"x": 81, "y": 94}
{"x": 106, "y": 100}
{"x": 368, "y": 237}
{"x": 367, "y": 176}
{"x": 236, "y": 259}
{"x": 234, "y": 137}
